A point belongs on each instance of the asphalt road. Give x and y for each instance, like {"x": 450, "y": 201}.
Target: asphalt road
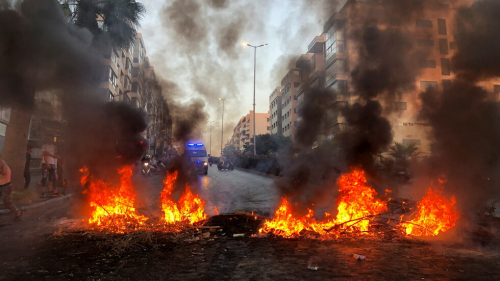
{"x": 231, "y": 191}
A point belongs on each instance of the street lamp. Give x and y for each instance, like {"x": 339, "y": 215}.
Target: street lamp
{"x": 254, "y": 68}
{"x": 211, "y": 124}
{"x": 222, "y": 131}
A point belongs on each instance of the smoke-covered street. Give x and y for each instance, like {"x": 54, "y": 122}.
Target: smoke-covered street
{"x": 249, "y": 139}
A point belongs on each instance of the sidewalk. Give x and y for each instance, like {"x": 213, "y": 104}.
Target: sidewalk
{"x": 43, "y": 205}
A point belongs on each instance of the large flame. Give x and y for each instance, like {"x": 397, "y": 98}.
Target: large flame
{"x": 112, "y": 208}
{"x": 356, "y": 205}
{"x": 285, "y": 224}
{"x": 189, "y": 209}
{"x": 435, "y": 215}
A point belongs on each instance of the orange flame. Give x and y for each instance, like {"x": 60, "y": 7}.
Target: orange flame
{"x": 357, "y": 201}
{"x": 216, "y": 211}
{"x": 189, "y": 209}
{"x": 112, "y": 208}
{"x": 435, "y": 215}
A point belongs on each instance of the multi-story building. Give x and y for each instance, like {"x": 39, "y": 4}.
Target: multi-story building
{"x": 243, "y": 131}
{"x": 275, "y": 112}
{"x": 132, "y": 79}
{"x": 289, "y": 85}
{"x": 433, "y": 32}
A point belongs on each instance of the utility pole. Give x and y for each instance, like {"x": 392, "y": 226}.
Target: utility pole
{"x": 211, "y": 124}
{"x": 222, "y": 131}
{"x": 254, "y": 73}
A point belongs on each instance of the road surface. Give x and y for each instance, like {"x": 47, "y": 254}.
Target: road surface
{"x": 231, "y": 191}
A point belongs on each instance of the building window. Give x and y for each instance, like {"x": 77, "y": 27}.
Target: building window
{"x": 427, "y": 63}
{"x": 268, "y": 128}
{"x": 110, "y": 95}
{"x": 442, "y": 26}
{"x": 267, "y": 119}
{"x": 425, "y": 42}
{"x": 424, "y": 23}
{"x": 424, "y": 85}
{"x": 443, "y": 46}
{"x": 445, "y": 66}
{"x": 446, "y": 84}
{"x": 400, "y": 105}
{"x": 453, "y": 45}
{"x": 411, "y": 141}
{"x": 296, "y": 84}
{"x": 112, "y": 78}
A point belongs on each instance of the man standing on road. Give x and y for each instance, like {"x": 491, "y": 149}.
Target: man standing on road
{"x": 6, "y": 187}
{"x": 27, "y": 176}
{"x": 49, "y": 152}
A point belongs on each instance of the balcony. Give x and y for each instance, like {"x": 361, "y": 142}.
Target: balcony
{"x": 316, "y": 45}
{"x": 317, "y": 73}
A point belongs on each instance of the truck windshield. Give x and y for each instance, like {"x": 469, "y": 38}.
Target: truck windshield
{"x": 197, "y": 153}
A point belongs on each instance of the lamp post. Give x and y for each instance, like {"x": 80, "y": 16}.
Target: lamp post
{"x": 254, "y": 70}
{"x": 222, "y": 131}
{"x": 211, "y": 124}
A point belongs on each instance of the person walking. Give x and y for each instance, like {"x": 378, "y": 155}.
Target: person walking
{"x": 6, "y": 187}
{"x": 49, "y": 152}
{"x": 27, "y": 176}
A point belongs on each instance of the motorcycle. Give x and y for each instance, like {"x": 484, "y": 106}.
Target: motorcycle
{"x": 225, "y": 166}
{"x": 148, "y": 169}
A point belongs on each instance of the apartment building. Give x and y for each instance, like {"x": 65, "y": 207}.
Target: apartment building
{"x": 289, "y": 116}
{"x": 433, "y": 32}
{"x": 243, "y": 131}
{"x": 132, "y": 79}
{"x": 275, "y": 112}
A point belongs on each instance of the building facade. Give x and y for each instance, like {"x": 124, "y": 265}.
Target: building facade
{"x": 275, "y": 127}
{"x": 243, "y": 131}
{"x": 132, "y": 79}
{"x": 332, "y": 56}
{"x": 289, "y": 85}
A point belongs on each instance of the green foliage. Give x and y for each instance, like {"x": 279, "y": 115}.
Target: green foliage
{"x": 120, "y": 19}
{"x": 267, "y": 144}
{"x": 229, "y": 150}
{"x": 404, "y": 152}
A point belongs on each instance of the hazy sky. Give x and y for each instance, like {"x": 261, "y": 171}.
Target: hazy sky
{"x": 196, "y": 44}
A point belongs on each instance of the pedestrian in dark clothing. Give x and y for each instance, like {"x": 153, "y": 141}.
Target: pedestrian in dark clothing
{"x": 27, "y": 176}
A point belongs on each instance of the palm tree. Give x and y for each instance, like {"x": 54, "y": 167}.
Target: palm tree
{"x": 402, "y": 153}
{"x": 117, "y": 19}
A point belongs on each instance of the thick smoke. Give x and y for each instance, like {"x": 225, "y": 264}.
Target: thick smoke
{"x": 41, "y": 51}
{"x": 387, "y": 68}
{"x": 464, "y": 118}
{"x": 386, "y": 65}
{"x": 477, "y": 40}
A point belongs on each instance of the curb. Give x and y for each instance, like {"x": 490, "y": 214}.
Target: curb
{"x": 39, "y": 207}
{"x": 258, "y": 173}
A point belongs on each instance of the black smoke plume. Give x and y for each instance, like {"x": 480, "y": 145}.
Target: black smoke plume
{"x": 386, "y": 68}
{"x": 41, "y": 50}
{"x": 464, "y": 117}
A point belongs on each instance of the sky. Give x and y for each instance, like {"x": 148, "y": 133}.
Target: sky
{"x": 196, "y": 46}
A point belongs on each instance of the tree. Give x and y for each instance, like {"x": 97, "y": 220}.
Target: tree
{"x": 269, "y": 144}
{"x": 119, "y": 20}
{"x": 403, "y": 153}
{"x": 229, "y": 150}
